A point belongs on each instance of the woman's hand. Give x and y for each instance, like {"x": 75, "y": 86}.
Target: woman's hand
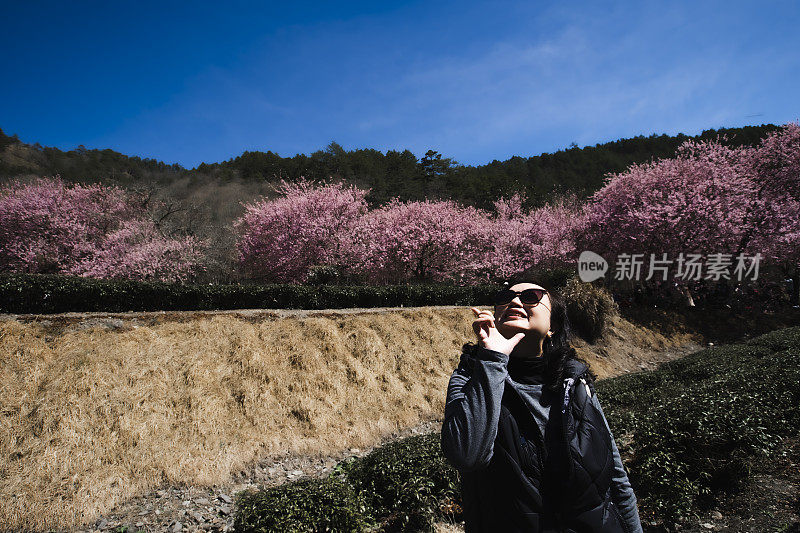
{"x": 489, "y": 337}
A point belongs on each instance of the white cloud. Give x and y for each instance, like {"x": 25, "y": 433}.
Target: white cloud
{"x": 568, "y": 82}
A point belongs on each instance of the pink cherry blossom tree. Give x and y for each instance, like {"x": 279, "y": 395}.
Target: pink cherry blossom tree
{"x": 49, "y": 226}
{"x": 137, "y": 251}
{"x": 512, "y": 249}
{"x": 695, "y": 202}
{"x": 778, "y": 157}
{"x": 708, "y": 199}
{"x": 774, "y": 216}
{"x": 280, "y": 239}
{"x": 418, "y": 241}
{"x": 521, "y": 240}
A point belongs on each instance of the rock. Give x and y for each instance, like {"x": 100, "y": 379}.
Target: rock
{"x": 102, "y": 524}
{"x": 158, "y": 511}
{"x": 224, "y": 509}
{"x": 197, "y": 516}
{"x": 707, "y": 525}
{"x": 139, "y": 524}
{"x": 202, "y": 501}
{"x": 187, "y": 503}
{"x": 177, "y": 526}
{"x": 716, "y": 515}
{"x": 142, "y": 513}
{"x": 225, "y": 498}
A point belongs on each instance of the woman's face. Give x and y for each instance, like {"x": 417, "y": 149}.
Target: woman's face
{"x": 515, "y": 316}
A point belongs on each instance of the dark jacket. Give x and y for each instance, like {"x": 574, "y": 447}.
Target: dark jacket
{"x": 512, "y": 480}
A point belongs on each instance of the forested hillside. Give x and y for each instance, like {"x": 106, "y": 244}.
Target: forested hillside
{"x": 390, "y": 174}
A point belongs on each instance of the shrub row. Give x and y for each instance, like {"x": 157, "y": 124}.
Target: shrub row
{"x": 49, "y": 293}
{"x": 690, "y": 427}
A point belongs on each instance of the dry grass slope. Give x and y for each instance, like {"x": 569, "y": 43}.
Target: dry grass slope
{"x": 91, "y": 417}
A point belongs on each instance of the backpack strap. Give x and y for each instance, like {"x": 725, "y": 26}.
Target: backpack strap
{"x": 567, "y": 388}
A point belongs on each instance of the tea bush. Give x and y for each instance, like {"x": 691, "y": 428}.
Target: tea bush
{"x": 307, "y": 505}
{"x": 782, "y": 339}
{"x": 695, "y": 422}
{"x": 405, "y": 482}
{"x": 403, "y": 486}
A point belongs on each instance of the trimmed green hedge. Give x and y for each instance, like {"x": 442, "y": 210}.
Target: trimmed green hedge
{"x": 49, "y": 293}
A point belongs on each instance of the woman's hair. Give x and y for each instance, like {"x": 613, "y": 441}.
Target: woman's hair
{"x": 556, "y": 348}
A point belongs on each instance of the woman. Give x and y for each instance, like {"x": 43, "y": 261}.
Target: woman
{"x": 525, "y": 430}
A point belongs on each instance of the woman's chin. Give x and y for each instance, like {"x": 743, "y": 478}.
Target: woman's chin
{"x": 511, "y": 328}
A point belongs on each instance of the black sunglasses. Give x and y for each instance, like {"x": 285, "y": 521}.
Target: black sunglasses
{"x": 528, "y": 296}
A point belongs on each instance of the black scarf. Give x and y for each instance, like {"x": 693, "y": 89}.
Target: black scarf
{"x": 529, "y": 370}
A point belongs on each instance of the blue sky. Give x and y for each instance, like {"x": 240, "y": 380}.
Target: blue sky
{"x": 477, "y": 81}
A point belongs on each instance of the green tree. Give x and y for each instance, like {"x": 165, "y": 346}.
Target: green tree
{"x": 435, "y": 171}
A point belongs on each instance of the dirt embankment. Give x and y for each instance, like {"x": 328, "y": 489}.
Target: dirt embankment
{"x": 154, "y": 420}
